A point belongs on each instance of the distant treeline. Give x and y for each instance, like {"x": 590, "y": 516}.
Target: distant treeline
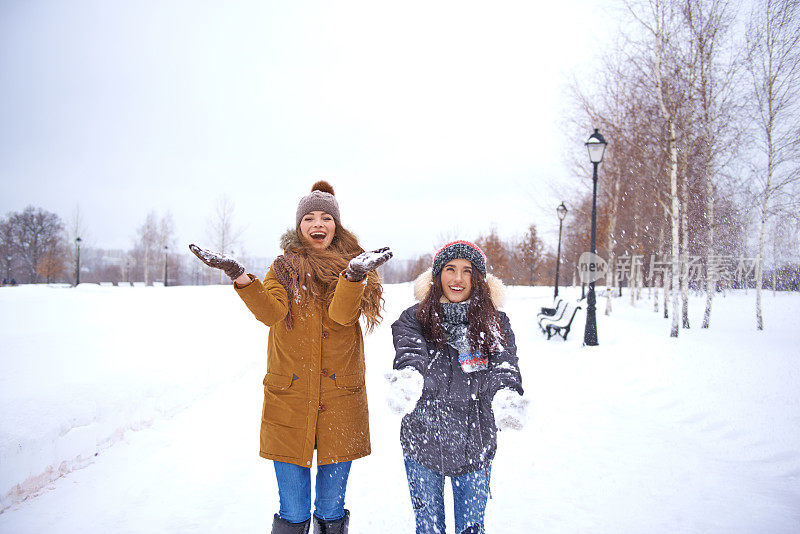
{"x": 36, "y": 247}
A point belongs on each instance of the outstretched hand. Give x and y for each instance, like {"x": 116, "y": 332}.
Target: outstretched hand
{"x": 366, "y": 262}
{"x": 405, "y": 389}
{"x": 510, "y": 410}
{"x": 230, "y": 266}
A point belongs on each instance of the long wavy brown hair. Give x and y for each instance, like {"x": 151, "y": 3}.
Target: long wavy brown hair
{"x": 309, "y": 274}
{"x": 483, "y": 331}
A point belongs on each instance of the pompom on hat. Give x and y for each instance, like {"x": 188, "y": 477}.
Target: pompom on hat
{"x": 321, "y": 198}
{"x": 460, "y": 249}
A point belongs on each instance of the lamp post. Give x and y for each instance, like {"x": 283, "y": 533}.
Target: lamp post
{"x": 596, "y": 145}
{"x": 77, "y": 261}
{"x": 166, "y": 256}
{"x": 561, "y": 210}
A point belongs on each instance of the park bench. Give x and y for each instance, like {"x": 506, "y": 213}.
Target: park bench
{"x": 544, "y": 311}
{"x": 560, "y": 325}
{"x": 557, "y": 313}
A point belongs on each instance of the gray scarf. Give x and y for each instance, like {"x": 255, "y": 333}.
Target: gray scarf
{"x": 455, "y": 319}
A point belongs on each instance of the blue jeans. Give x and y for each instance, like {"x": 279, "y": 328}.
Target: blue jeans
{"x": 294, "y": 490}
{"x": 470, "y": 493}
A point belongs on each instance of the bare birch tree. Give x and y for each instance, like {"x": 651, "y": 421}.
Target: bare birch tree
{"x": 221, "y": 229}
{"x": 166, "y": 239}
{"x": 661, "y": 20}
{"x": 147, "y": 245}
{"x": 773, "y": 39}
{"x": 670, "y": 113}
{"x": 714, "y": 93}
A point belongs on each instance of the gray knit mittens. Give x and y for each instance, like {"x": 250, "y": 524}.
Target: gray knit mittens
{"x": 366, "y": 262}
{"x": 230, "y": 266}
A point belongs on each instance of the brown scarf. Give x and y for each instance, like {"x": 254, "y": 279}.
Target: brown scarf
{"x": 310, "y": 277}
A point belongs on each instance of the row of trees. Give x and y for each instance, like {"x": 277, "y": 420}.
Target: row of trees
{"x": 37, "y": 246}
{"x": 702, "y": 119}
{"x": 522, "y": 260}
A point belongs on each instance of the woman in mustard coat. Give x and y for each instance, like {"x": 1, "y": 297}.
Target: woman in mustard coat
{"x": 314, "y": 392}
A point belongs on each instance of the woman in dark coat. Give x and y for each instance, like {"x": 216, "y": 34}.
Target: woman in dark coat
{"x": 460, "y": 348}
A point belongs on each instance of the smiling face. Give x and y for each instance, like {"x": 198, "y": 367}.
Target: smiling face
{"x": 456, "y": 279}
{"x": 317, "y": 229}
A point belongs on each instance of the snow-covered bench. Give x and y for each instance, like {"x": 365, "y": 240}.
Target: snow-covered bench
{"x": 558, "y": 312}
{"x": 562, "y": 325}
{"x": 544, "y": 311}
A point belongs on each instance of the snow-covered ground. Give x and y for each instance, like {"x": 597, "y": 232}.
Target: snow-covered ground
{"x": 147, "y": 401}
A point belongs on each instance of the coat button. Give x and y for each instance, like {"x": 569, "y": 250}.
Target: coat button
{"x": 325, "y": 335}
{"x": 324, "y": 372}
{"x": 322, "y": 407}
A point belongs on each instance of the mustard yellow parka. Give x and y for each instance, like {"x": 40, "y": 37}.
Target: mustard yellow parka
{"x": 314, "y": 390}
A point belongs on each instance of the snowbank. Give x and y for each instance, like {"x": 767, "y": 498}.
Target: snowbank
{"x": 81, "y": 367}
{"x": 642, "y": 433}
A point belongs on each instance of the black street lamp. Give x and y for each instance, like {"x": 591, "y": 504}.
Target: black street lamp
{"x": 77, "y": 261}
{"x": 166, "y": 257}
{"x": 596, "y": 145}
{"x": 561, "y": 210}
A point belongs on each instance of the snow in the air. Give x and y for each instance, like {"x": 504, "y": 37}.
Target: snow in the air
{"x": 134, "y": 410}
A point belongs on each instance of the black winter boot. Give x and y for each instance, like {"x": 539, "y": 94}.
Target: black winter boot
{"x": 282, "y": 526}
{"x": 332, "y": 527}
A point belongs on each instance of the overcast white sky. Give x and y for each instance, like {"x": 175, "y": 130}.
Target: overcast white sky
{"x": 430, "y": 118}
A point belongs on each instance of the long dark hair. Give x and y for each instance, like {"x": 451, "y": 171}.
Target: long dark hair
{"x": 483, "y": 332}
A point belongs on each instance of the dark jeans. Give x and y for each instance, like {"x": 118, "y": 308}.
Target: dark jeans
{"x": 470, "y": 493}
{"x": 294, "y": 489}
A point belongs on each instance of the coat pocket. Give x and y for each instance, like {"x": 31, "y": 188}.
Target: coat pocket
{"x": 277, "y": 382}
{"x": 283, "y": 404}
{"x": 350, "y": 382}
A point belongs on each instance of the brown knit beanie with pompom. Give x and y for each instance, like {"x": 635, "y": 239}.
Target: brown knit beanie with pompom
{"x": 320, "y": 199}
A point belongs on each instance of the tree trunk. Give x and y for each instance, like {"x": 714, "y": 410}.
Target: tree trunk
{"x": 146, "y": 265}
{"x": 639, "y": 283}
{"x": 675, "y": 212}
{"x": 612, "y": 230}
{"x": 632, "y": 283}
{"x": 760, "y": 261}
{"x": 663, "y": 278}
{"x": 684, "y": 253}
{"x": 655, "y": 298}
{"x": 711, "y": 282}
{"x": 610, "y": 289}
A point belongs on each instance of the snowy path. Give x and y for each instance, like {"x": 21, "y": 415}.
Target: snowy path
{"x": 640, "y": 434}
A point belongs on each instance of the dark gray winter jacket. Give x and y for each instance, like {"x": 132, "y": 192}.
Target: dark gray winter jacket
{"x": 451, "y": 430}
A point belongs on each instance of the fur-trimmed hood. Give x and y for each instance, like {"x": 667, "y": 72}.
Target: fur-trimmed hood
{"x": 289, "y": 240}
{"x": 497, "y": 290}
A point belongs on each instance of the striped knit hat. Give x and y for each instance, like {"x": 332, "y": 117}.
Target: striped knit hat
{"x": 460, "y": 249}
